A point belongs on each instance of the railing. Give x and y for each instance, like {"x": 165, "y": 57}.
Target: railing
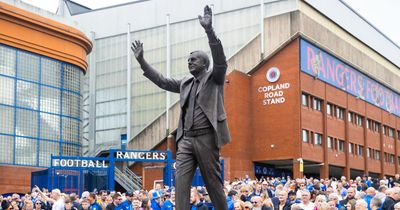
{"x": 132, "y": 176}
{"x": 125, "y": 181}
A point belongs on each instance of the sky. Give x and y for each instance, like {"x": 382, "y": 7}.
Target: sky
{"x": 383, "y": 14}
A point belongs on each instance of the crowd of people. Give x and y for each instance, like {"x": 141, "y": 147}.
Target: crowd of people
{"x": 361, "y": 193}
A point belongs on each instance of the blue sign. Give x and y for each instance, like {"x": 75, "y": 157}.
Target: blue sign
{"x": 320, "y": 64}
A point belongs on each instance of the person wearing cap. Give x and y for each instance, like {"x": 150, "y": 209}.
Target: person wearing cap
{"x": 155, "y": 200}
{"x": 195, "y": 197}
{"x": 127, "y": 204}
{"x": 168, "y": 204}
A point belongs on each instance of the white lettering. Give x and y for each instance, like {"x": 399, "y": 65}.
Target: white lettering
{"x": 63, "y": 163}
{"x": 155, "y": 156}
{"x": 163, "y": 156}
{"x": 273, "y": 94}
{"x": 70, "y": 163}
{"x": 84, "y": 163}
{"x": 56, "y": 162}
{"x": 119, "y": 155}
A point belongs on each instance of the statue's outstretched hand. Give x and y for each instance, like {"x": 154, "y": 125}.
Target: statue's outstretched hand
{"x": 206, "y": 20}
{"x": 137, "y": 48}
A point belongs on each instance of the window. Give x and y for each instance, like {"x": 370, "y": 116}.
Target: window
{"x": 385, "y": 130}
{"x": 369, "y": 152}
{"x": 377, "y": 127}
{"x": 386, "y": 157}
{"x": 329, "y": 142}
{"x": 350, "y": 117}
{"x": 377, "y": 155}
{"x": 351, "y": 145}
{"x": 304, "y": 99}
{"x": 398, "y": 135}
{"x": 391, "y": 132}
{"x": 339, "y": 112}
{"x": 317, "y": 139}
{"x": 373, "y": 125}
{"x": 360, "y": 150}
{"x": 304, "y": 136}
{"x": 329, "y": 109}
{"x": 391, "y": 158}
{"x": 317, "y": 104}
{"x": 359, "y": 120}
{"x": 341, "y": 145}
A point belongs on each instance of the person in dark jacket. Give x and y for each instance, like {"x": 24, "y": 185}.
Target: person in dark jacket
{"x": 116, "y": 201}
{"x": 195, "y": 199}
{"x": 351, "y": 192}
{"x": 392, "y": 198}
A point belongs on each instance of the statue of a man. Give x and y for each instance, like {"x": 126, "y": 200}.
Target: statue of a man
{"x": 202, "y": 128}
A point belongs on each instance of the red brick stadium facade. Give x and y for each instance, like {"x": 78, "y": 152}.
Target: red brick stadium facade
{"x": 334, "y": 132}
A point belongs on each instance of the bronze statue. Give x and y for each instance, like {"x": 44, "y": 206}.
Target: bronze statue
{"x": 202, "y": 128}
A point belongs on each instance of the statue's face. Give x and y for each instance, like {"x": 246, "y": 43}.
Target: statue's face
{"x": 196, "y": 63}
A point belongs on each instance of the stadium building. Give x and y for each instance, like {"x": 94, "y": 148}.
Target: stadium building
{"x": 42, "y": 65}
{"x": 312, "y": 88}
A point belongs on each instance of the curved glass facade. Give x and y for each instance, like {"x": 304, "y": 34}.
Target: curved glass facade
{"x": 40, "y": 102}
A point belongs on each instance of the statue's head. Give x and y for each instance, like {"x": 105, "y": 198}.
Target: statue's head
{"x": 198, "y": 61}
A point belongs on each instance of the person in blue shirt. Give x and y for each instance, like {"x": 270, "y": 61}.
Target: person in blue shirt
{"x": 93, "y": 204}
{"x": 127, "y": 204}
{"x": 156, "y": 200}
{"x": 168, "y": 204}
{"x": 230, "y": 200}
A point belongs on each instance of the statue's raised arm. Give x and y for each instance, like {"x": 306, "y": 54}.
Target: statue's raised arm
{"x": 217, "y": 52}
{"x": 155, "y": 76}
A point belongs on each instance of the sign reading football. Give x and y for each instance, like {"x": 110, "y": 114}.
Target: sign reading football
{"x": 273, "y": 94}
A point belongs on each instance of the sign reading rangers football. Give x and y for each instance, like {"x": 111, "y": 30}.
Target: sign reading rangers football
{"x": 273, "y": 94}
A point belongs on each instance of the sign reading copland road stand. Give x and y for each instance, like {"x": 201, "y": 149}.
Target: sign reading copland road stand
{"x": 273, "y": 94}
{"x": 141, "y": 155}
{"x": 68, "y": 163}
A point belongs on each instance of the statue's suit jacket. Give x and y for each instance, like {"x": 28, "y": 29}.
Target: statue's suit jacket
{"x": 210, "y": 93}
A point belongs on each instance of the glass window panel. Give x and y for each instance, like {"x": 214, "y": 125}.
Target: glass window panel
{"x": 7, "y": 90}
{"x": 50, "y": 100}
{"x": 27, "y": 123}
{"x": 28, "y": 66}
{"x": 25, "y": 151}
{"x": 305, "y": 136}
{"x": 6, "y": 119}
{"x": 70, "y": 150}
{"x": 72, "y": 78}
{"x": 27, "y": 94}
{"x": 49, "y": 126}
{"x": 71, "y": 104}
{"x": 70, "y": 129}
{"x": 7, "y": 60}
{"x": 48, "y": 148}
{"x": 6, "y": 149}
{"x": 51, "y": 72}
